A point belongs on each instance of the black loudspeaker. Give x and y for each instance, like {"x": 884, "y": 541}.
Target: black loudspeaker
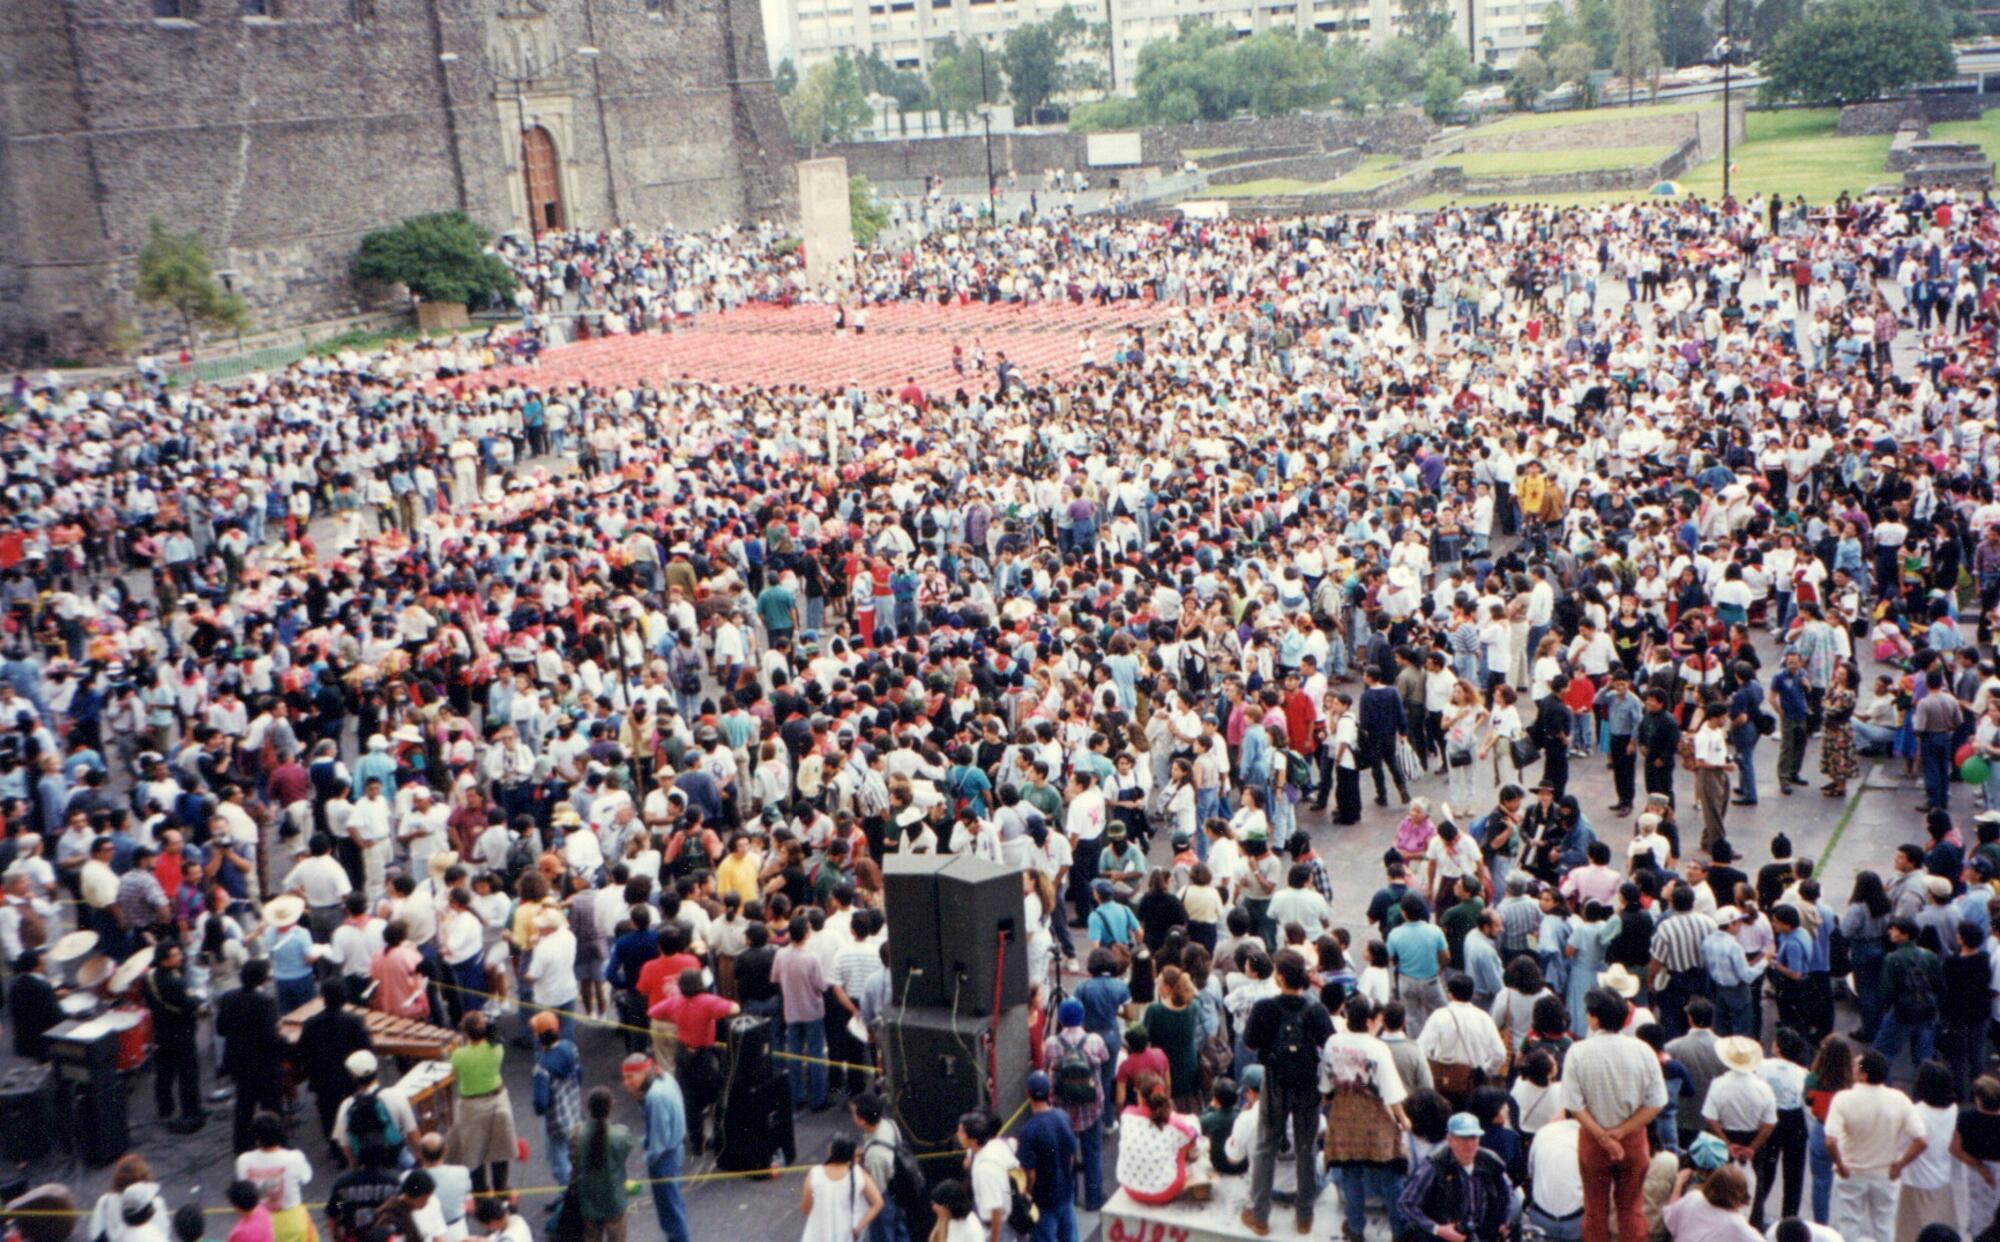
{"x": 938, "y": 1070}
{"x": 93, "y": 1099}
{"x": 757, "y": 1125}
{"x": 27, "y": 1112}
{"x": 979, "y": 906}
{"x": 749, "y": 1048}
{"x": 910, "y": 901}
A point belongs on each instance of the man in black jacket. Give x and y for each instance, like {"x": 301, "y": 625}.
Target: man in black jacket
{"x": 1286, "y": 1032}
{"x": 34, "y": 1004}
{"x": 246, "y": 1020}
{"x": 175, "y": 1060}
{"x": 1380, "y": 720}
{"x": 325, "y": 1041}
{"x": 1461, "y": 1188}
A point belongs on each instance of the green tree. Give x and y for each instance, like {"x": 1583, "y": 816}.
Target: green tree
{"x": 829, "y": 105}
{"x": 1187, "y": 78}
{"x": 785, "y": 78}
{"x": 441, "y": 257}
{"x": 1117, "y": 113}
{"x": 1856, "y": 49}
{"x": 1682, "y": 30}
{"x": 1396, "y": 70}
{"x": 1278, "y": 73}
{"x": 865, "y": 212}
{"x": 1033, "y": 62}
{"x": 1638, "y": 52}
{"x": 1590, "y": 22}
{"x": 1426, "y": 21}
{"x": 1572, "y": 67}
{"x": 1348, "y": 71}
{"x": 962, "y": 78}
{"x": 174, "y": 271}
{"x": 878, "y": 77}
{"x": 1768, "y": 20}
{"x": 1531, "y": 78}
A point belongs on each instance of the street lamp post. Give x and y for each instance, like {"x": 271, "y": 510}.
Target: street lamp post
{"x": 1728, "y": 62}
{"x": 992, "y": 208}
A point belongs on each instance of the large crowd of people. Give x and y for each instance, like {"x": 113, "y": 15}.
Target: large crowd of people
{"x": 388, "y": 684}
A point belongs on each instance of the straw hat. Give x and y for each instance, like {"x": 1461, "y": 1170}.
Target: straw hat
{"x": 1619, "y": 980}
{"x": 285, "y": 910}
{"x": 93, "y": 973}
{"x": 441, "y": 862}
{"x": 1739, "y": 1052}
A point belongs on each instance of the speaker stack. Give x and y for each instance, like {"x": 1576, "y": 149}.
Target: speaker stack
{"x": 91, "y": 1098}
{"x": 756, "y": 1101}
{"x": 955, "y": 1035}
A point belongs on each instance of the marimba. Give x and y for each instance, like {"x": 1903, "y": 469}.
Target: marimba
{"x": 392, "y": 1036}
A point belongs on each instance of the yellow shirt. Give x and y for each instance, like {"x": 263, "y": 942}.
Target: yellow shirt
{"x": 738, "y": 874}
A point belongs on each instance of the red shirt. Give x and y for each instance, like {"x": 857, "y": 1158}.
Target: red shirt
{"x": 695, "y": 1016}
{"x": 656, "y": 976}
{"x": 1138, "y": 1064}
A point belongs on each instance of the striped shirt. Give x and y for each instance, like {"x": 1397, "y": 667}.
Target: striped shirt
{"x": 1614, "y": 1076}
{"x": 1677, "y": 941}
{"x": 1520, "y": 919}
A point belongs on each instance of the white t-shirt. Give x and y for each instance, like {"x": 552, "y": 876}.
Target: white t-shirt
{"x": 280, "y": 1174}
{"x": 1553, "y": 1168}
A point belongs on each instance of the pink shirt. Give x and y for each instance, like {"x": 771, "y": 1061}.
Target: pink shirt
{"x": 253, "y": 1226}
{"x": 1592, "y": 883}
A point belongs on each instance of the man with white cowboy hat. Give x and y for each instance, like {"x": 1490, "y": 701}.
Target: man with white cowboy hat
{"x": 421, "y": 830}
{"x": 291, "y": 950}
{"x": 1741, "y": 1107}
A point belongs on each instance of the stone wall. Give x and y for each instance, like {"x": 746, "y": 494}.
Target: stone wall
{"x": 282, "y": 139}
{"x": 1675, "y": 162}
{"x": 1908, "y": 151}
{"x": 1308, "y": 168}
{"x": 1606, "y": 129}
{"x": 1925, "y": 109}
{"x": 964, "y": 155}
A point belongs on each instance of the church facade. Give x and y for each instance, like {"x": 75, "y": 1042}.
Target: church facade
{"x": 281, "y": 131}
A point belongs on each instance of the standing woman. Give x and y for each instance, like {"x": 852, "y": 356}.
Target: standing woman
{"x": 1865, "y": 927}
{"x": 482, "y": 1135}
{"x": 1462, "y": 719}
{"x": 840, "y": 1200}
{"x": 1836, "y": 754}
{"x": 1343, "y": 739}
{"x": 602, "y": 1150}
{"x": 1503, "y": 730}
{"x": 1172, "y": 1023}
{"x": 1785, "y": 1074}
{"x": 1832, "y": 1073}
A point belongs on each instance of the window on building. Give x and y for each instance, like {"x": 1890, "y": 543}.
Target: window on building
{"x": 258, "y": 8}
{"x": 167, "y": 8}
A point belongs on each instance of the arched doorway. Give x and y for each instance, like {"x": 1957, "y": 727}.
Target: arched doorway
{"x": 544, "y": 186}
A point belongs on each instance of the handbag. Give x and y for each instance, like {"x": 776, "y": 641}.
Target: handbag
{"x": 1458, "y": 758}
{"x": 1523, "y": 751}
{"x": 1453, "y": 1081}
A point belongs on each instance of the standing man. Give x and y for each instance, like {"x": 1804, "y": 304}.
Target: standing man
{"x": 1870, "y": 1129}
{"x": 246, "y": 1021}
{"x": 1381, "y": 720}
{"x": 1047, "y": 1149}
{"x": 1287, "y": 1032}
{"x": 1678, "y": 969}
{"x": 1659, "y": 744}
{"x": 1622, "y": 713}
{"x": 1936, "y": 719}
{"x": 175, "y": 1062}
{"x": 1613, "y": 1086}
{"x": 801, "y": 981}
{"x": 1789, "y": 703}
{"x": 1712, "y": 766}
{"x": 666, "y": 1136}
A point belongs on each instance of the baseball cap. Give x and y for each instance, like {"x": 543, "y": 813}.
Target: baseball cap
{"x": 1252, "y": 1080}
{"x": 1465, "y": 1125}
{"x": 1069, "y": 1013}
{"x": 544, "y": 1021}
{"x": 360, "y": 1063}
{"x": 1039, "y": 1086}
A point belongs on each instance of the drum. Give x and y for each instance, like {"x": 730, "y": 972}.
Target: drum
{"x": 134, "y": 1024}
{"x": 79, "y": 1005}
{"x": 68, "y": 954}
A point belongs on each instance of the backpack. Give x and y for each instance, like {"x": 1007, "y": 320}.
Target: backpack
{"x": 1298, "y": 769}
{"x": 1916, "y": 1001}
{"x": 687, "y": 679}
{"x": 520, "y": 857}
{"x": 1294, "y": 1057}
{"x": 370, "y": 1128}
{"x": 1076, "y": 1078}
{"x": 907, "y": 1188}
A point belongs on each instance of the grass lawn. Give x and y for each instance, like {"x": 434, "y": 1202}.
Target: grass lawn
{"x": 1984, "y": 131}
{"x": 1373, "y": 171}
{"x": 1791, "y": 152}
{"x": 1525, "y": 122}
{"x": 1260, "y": 188}
{"x": 1796, "y": 152}
{"x": 1575, "y": 159}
